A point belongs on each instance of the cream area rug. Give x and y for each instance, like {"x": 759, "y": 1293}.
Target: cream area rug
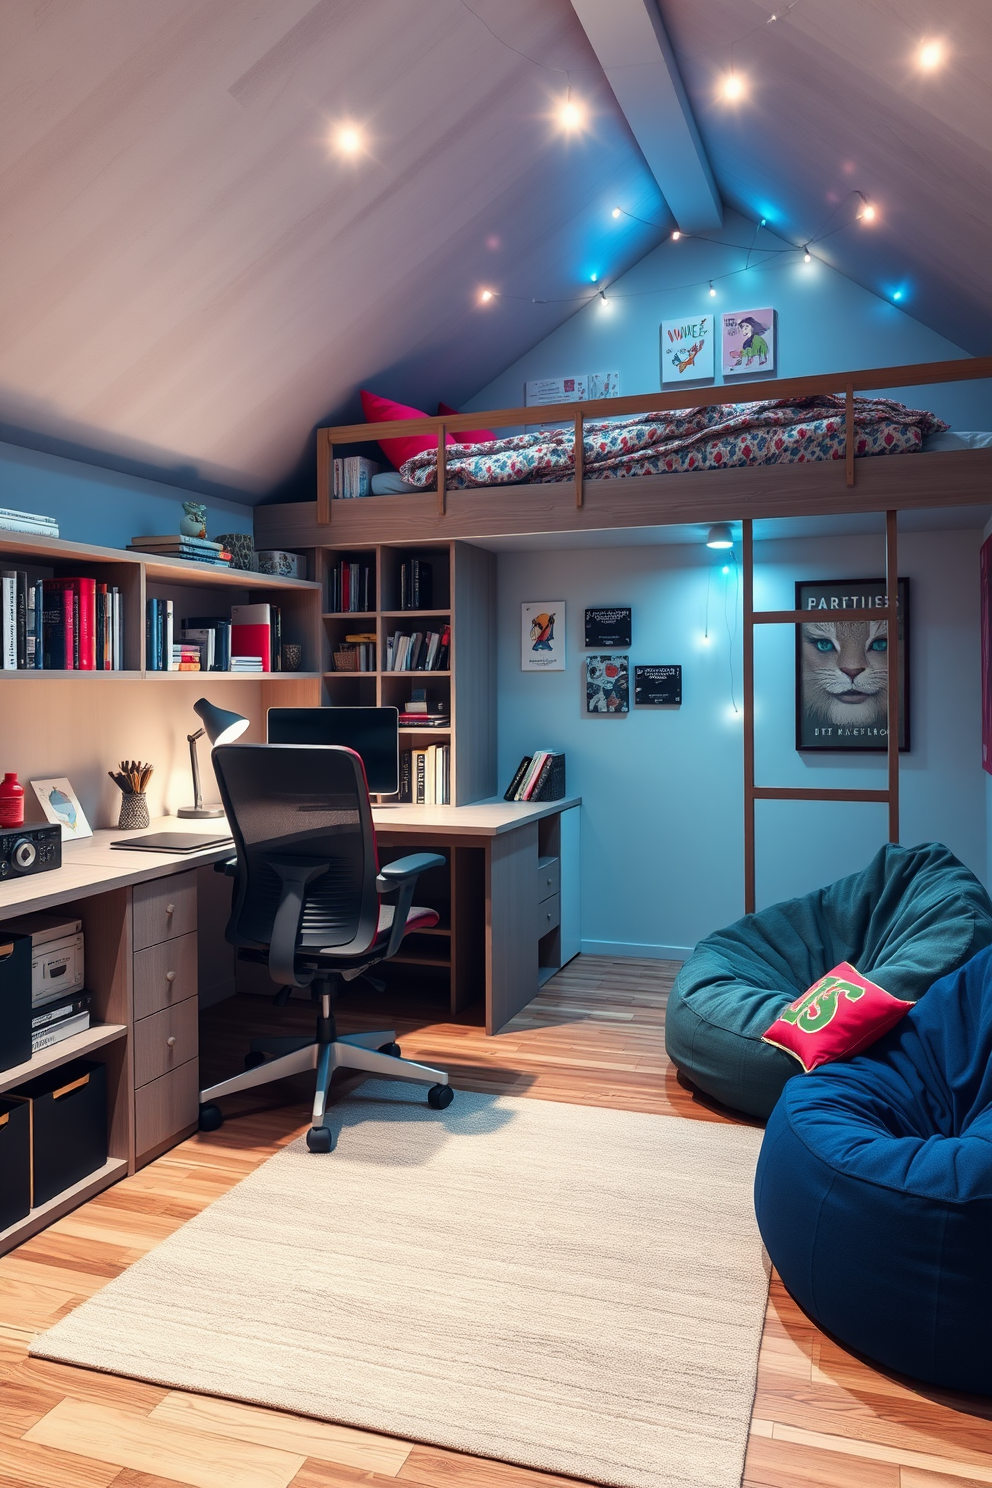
{"x": 562, "y": 1287}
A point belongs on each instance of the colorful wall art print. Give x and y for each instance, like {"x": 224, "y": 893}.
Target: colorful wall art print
{"x": 687, "y": 349}
{"x": 748, "y": 342}
{"x": 608, "y": 684}
{"x": 59, "y": 803}
{"x": 542, "y": 636}
{"x": 842, "y": 666}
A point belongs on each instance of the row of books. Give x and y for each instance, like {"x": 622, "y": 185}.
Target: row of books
{"x": 59, "y": 624}
{"x": 59, "y": 1019}
{"x": 416, "y": 585}
{"x": 538, "y": 777}
{"x": 352, "y": 476}
{"x": 419, "y": 652}
{"x": 18, "y": 521}
{"x": 199, "y": 549}
{"x": 425, "y": 775}
{"x": 350, "y": 588}
{"x": 250, "y": 641}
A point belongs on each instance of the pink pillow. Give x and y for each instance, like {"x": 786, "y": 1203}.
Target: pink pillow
{"x": 840, "y": 1015}
{"x": 383, "y": 411}
{"x": 467, "y": 436}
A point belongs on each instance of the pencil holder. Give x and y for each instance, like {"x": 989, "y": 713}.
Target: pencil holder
{"x": 134, "y": 811}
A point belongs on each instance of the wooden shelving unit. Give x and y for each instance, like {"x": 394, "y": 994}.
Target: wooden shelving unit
{"x": 194, "y": 588}
{"x": 464, "y": 598}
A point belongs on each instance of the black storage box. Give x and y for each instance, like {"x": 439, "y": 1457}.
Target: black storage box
{"x": 15, "y": 1161}
{"x": 68, "y": 1126}
{"x": 15, "y": 999}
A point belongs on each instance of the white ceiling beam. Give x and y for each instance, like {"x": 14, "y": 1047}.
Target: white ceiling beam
{"x": 629, "y": 38}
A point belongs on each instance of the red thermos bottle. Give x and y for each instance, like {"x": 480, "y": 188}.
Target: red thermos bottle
{"x": 11, "y": 802}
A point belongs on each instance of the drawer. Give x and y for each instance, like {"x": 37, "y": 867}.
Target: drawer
{"x": 163, "y": 909}
{"x": 167, "y": 1107}
{"x": 548, "y": 915}
{"x": 548, "y": 877}
{"x": 164, "y": 975}
{"x": 165, "y": 1041}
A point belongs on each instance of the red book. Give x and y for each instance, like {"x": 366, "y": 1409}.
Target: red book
{"x": 86, "y": 590}
{"x": 251, "y": 632}
{"x": 346, "y": 586}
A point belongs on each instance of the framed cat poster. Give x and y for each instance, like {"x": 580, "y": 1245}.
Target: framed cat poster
{"x": 842, "y": 667}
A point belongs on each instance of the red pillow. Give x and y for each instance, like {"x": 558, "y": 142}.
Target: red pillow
{"x": 467, "y": 436}
{"x": 383, "y": 411}
{"x": 840, "y": 1015}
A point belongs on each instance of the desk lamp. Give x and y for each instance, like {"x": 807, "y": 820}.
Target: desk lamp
{"x": 220, "y": 727}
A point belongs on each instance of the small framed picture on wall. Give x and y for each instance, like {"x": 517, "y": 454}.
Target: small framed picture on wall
{"x": 542, "y": 635}
{"x": 842, "y": 666}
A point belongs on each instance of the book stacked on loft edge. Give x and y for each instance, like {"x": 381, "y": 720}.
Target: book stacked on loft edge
{"x": 352, "y": 476}
{"x": 538, "y": 777}
{"x": 249, "y": 640}
{"x": 61, "y": 625}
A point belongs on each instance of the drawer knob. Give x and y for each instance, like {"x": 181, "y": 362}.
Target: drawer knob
{"x": 171, "y": 1040}
{"x": 170, "y": 909}
{"x": 170, "y": 976}
{"x": 548, "y": 915}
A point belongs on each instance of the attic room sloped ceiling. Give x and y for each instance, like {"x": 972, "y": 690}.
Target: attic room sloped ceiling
{"x": 191, "y": 277}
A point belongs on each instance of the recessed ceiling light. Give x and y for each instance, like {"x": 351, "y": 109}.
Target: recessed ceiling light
{"x": 930, "y": 55}
{"x": 348, "y": 140}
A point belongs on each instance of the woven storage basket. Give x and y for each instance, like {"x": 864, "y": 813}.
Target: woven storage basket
{"x": 346, "y": 660}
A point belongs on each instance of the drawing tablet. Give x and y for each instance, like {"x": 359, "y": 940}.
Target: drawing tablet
{"x": 173, "y": 842}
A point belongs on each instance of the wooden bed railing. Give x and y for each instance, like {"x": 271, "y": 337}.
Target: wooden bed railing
{"x": 967, "y": 369}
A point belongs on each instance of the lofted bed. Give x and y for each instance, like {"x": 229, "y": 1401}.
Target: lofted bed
{"x": 833, "y": 484}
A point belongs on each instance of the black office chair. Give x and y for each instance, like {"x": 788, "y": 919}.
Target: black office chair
{"x": 306, "y": 902}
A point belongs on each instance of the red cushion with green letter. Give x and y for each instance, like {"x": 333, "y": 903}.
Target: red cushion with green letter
{"x": 840, "y": 1015}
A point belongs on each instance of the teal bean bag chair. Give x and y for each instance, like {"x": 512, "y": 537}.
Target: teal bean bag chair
{"x": 913, "y": 915}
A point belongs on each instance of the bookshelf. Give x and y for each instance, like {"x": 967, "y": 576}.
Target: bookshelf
{"x": 196, "y": 588}
{"x": 464, "y": 598}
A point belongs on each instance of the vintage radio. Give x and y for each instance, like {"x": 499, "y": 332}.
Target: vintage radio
{"x": 32, "y": 848}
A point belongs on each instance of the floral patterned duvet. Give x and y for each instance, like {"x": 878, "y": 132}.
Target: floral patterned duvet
{"x": 777, "y": 432}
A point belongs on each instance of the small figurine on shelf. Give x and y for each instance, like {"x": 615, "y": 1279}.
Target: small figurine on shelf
{"x": 194, "y": 521}
{"x": 132, "y": 778}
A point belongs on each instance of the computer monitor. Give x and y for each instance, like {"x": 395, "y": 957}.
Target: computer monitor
{"x": 374, "y": 733}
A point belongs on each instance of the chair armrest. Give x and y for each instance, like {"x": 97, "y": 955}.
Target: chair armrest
{"x": 403, "y": 875}
{"x": 406, "y": 869}
{"x": 295, "y": 874}
{"x": 229, "y": 866}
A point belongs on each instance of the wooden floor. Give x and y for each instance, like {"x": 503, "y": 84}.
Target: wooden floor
{"x": 595, "y": 1035}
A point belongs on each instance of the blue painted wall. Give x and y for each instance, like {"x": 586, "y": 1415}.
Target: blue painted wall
{"x": 825, "y": 323}
{"x": 662, "y": 834}
{"x": 101, "y": 506}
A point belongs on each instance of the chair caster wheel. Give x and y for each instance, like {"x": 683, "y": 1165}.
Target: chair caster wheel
{"x": 440, "y": 1096}
{"x": 393, "y": 1050}
{"x": 254, "y": 1058}
{"x": 211, "y": 1118}
{"x": 320, "y": 1139}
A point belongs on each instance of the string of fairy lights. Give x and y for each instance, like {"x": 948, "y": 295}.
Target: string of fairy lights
{"x": 570, "y": 115}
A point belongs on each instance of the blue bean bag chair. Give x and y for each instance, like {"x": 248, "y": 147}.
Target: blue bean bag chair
{"x": 914, "y": 914}
{"x": 874, "y": 1189}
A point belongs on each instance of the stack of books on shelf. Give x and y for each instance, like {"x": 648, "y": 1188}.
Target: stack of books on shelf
{"x": 197, "y": 549}
{"x": 65, "y": 1014}
{"x": 538, "y": 777}
{"x": 416, "y": 585}
{"x": 350, "y": 589}
{"x": 419, "y": 652}
{"x": 352, "y": 476}
{"x": 421, "y": 712}
{"x": 18, "y": 521}
{"x": 425, "y": 775}
{"x": 59, "y": 624}
{"x": 249, "y": 640}
{"x": 356, "y": 653}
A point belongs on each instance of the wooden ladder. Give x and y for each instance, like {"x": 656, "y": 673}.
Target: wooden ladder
{"x": 752, "y": 792}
